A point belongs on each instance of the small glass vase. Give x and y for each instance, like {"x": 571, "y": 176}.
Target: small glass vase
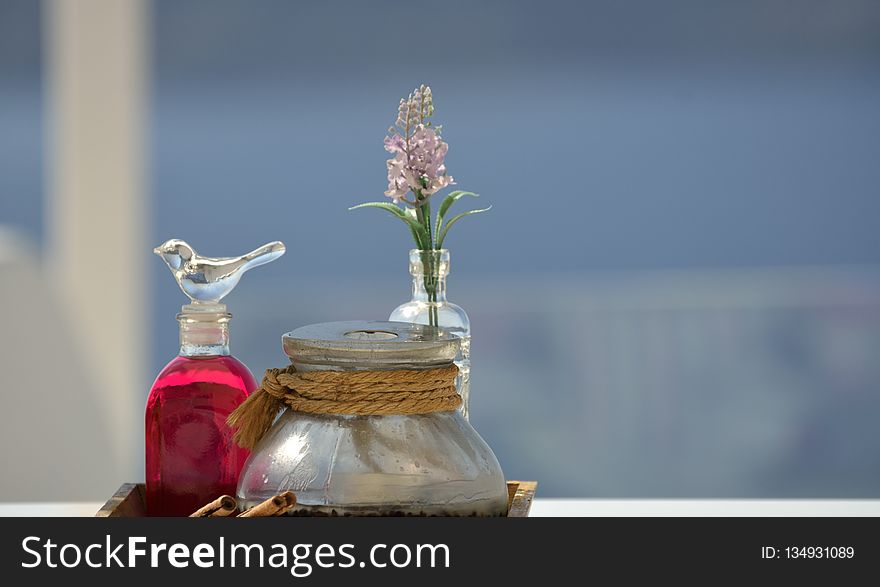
{"x": 430, "y": 306}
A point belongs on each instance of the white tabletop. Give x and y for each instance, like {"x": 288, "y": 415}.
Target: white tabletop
{"x": 550, "y": 507}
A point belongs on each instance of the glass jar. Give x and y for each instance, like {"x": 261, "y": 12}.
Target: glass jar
{"x": 429, "y": 305}
{"x": 340, "y": 464}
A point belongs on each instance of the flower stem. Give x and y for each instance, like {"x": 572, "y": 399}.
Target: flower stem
{"x": 429, "y": 278}
{"x": 429, "y": 270}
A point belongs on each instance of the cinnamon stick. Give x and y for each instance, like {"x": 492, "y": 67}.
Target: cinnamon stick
{"x": 220, "y": 507}
{"x": 277, "y": 505}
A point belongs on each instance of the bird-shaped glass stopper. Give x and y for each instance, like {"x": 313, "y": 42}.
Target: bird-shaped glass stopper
{"x": 207, "y": 280}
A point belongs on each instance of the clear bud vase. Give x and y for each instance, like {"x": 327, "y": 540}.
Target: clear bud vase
{"x": 430, "y": 306}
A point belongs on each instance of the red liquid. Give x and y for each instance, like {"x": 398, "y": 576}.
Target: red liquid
{"x": 191, "y": 458}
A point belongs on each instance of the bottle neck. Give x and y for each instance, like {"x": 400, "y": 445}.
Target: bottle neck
{"x": 433, "y": 291}
{"x": 429, "y": 270}
{"x": 203, "y": 333}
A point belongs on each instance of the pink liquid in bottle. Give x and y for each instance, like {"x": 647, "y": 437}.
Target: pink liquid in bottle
{"x": 191, "y": 458}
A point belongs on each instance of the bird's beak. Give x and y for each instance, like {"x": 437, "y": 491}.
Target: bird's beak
{"x": 158, "y": 251}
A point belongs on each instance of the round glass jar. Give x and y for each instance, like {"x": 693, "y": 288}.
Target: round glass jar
{"x": 340, "y": 464}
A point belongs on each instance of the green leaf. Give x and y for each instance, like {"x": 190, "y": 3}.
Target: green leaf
{"x": 455, "y": 219}
{"x": 451, "y": 198}
{"x": 384, "y": 206}
{"x": 418, "y": 231}
{"x": 410, "y": 212}
{"x": 444, "y": 207}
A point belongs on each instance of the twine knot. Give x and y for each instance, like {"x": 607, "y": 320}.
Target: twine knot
{"x": 374, "y": 393}
{"x": 271, "y": 385}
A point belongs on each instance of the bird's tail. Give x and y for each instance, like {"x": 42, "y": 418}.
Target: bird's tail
{"x": 265, "y": 254}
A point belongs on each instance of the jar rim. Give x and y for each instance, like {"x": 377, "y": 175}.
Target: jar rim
{"x": 364, "y": 344}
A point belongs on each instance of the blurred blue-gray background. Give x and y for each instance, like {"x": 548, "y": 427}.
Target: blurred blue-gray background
{"x": 677, "y": 292}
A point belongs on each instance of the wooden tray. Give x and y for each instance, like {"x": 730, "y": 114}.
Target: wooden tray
{"x": 128, "y": 501}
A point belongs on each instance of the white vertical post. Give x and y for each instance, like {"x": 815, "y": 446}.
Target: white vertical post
{"x": 96, "y": 82}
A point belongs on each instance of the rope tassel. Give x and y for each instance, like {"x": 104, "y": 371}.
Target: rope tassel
{"x": 370, "y": 393}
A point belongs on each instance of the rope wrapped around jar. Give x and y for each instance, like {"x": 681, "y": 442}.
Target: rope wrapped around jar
{"x": 365, "y": 393}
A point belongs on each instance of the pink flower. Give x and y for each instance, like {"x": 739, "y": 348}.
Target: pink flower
{"x": 397, "y": 184}
{"x": 395, "y": 144}
{"x": 417, "y": 165}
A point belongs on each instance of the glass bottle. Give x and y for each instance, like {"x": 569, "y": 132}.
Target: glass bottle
{"x": 429, "y": 305}
{"x": 191, "y": 458}
{"x": 343, "y": 464}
